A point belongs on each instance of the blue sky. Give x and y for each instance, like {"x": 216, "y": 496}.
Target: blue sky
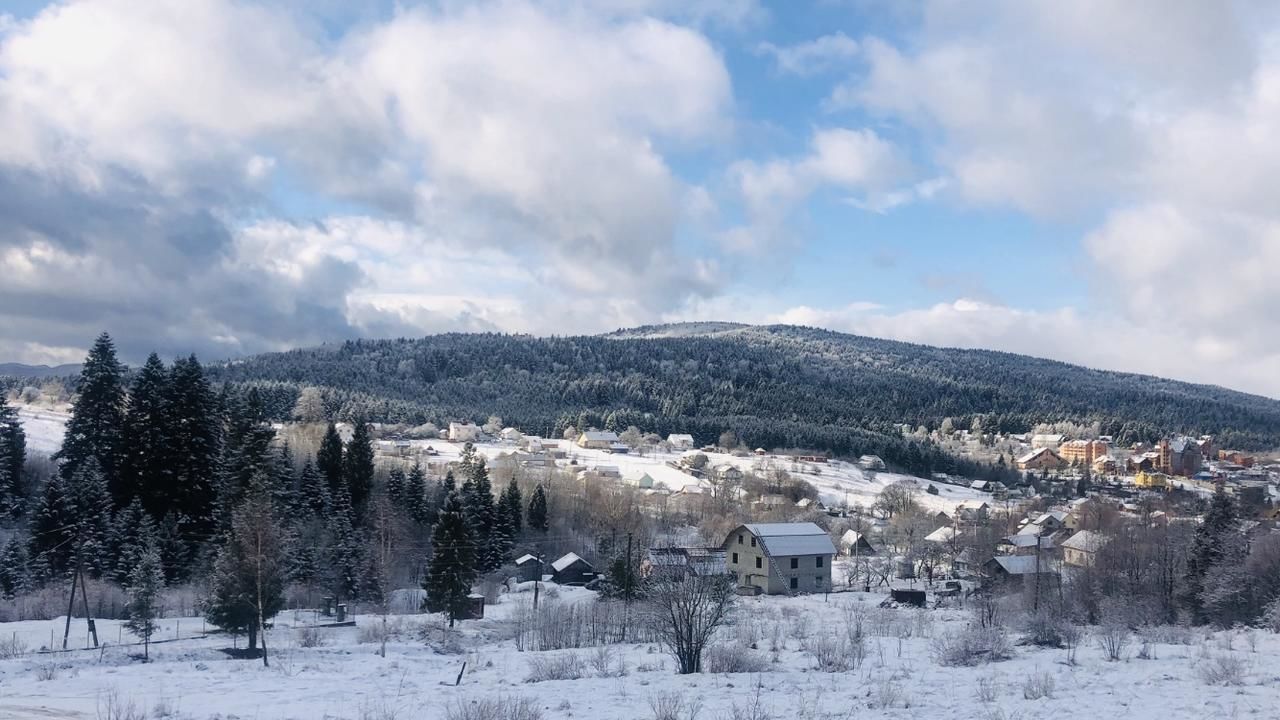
{"x": 1082, "y": 181}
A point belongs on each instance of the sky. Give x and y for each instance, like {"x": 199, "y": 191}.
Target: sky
{"x": 1087, "y": 181}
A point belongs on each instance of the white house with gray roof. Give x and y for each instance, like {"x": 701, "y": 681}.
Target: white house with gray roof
{"x": 780, "y": 558}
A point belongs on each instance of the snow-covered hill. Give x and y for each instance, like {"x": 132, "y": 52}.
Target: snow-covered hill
{"x": 44, "y": 427}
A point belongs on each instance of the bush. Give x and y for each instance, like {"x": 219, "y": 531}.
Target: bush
{"x": 1113, "y": 638}
{"x": 1038, "y": 685}
{"x": 564, "y": 667}
{"x": 723, "y": 658}
{"x": 987, "y": 689}
{"x": 607, "y": 662}
{"x": 832, "y": 654}
{"x": 673, "y": 706}
{"x": 1044, "y": 629}
{"x": 309, "y": 637}
{"x": 12, "y": 647}
{"x": 1222, "y": 670}
{"x": 972, "y": 646}
{"x": 500, "y": 708}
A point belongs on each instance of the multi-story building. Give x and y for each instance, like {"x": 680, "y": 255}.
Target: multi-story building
{"x": 1082, "y": 453}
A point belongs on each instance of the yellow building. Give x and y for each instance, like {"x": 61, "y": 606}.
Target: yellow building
{"x": 1151, "y": 481}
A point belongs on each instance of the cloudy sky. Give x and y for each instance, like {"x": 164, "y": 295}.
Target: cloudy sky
{"x": 1089, "y": 181}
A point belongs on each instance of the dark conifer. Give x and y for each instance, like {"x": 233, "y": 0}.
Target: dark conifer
{"x": 452, "y": 566}
{"x": 357, "y": 463}
{"x": 537, "y": 515}
{"x": 93, "y": 430}
{"x": 144, "y": 441}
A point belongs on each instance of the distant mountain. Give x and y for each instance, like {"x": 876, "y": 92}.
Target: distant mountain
{"x": 38, "y": 371}
{"x": 776, "y": 386}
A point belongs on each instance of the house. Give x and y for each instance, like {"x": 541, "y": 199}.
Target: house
{"x": 1042, "y": 459}
{"x": 871, "y": 462}
{"x": 644, "y": 482}
{"x": 618, "y": 449}
{"x": 684, "y": 561}
{"x": 1050, "y": 521}
{"x": 1025, "y": 544}
{"x": 728, "y": 472}
{"x": 1144, "y": 462}
{"x": 972, "y": 509}
{"x": 597, "y": 440}
{"x": 1046, "y": 440}
{"x": 528, "y": 568}
{"x": 780, "y": 558}
{"x": 856, "y": 544}
{"x": 1005, "y": 568}
{"x": 1105, "y": 465}
{"x": 572, "y": 570}
{"x": 965, "y": 563}
{"x": 1081, "y": 549}
{"x": 463, "y": 432}
{"x": 1151, "y": 480}
{"x": 510, "y": 435}
{"x": 771, "y": 501}
{"x": 680, "y": 441}
{"x": 1180, "y": 456}
{"x": 532, "y": 443}
{"x": 942, "y": 535}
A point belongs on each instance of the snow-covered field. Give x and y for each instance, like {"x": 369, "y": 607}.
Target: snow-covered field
{"x": 899, "y": 678}
{"x": 838, "y": 482}
{"x": 44, "y": 427}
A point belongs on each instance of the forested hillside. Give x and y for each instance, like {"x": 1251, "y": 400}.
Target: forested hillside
{"x": 777, "y": 386}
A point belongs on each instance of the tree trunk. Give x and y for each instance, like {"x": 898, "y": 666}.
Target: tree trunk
{"x": 253, "y": 636}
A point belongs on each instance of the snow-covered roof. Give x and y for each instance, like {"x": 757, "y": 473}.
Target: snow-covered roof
{"x": 851, "y": 538}
{"x": 803, "y": 538}
{"x": 1035, "y": 454}
{"x": 525, "y": 558}
{"x": 944, "y": 534}
{"x": 1028, "y": 540}
{"x": 600, "y": 436}
{"x": 1021, "y": 564}
{"x": 566, "y": 561}
{"x": 675, "y": 438}
{"x": 1086, "y": 541}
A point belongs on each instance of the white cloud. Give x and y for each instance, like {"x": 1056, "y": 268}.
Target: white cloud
{"x": 811, "y": 57}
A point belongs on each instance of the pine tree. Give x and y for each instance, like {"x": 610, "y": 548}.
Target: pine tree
{"x": 501, "y": 542}
{"x": 145, "y": 584}
{"x": 73, "y": 515}
{"x": 15, "y": 575}
{"x": 357, "y": 466}
{"x": 421, "y": 509}
{"x": 1208, "y": 548}
{"x": 174, "y": 550}
{"x": 194, "y": 449}
{"x": 246, "y": 454}
{"x": 342, "y": 548}
{"x": 477, "y": 499}
{"x": 249, "y": 573}
{"x": 133, "y": 532}
{"x": 537, "y": 515}
{"x": 93, "y": 430}
{"x": 329, "y": 460}
{"x": 144, "y": 441}
{"x": 284, "y": 490}
{"x": 452, "y": 566}
{"x": 396, "y": 488}
{"x": 511, "y": 504}
{"x": 314, "y": 491}
{"x": 13, "y": 455}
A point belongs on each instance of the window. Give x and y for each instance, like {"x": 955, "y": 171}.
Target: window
{"x": 795, "y": 563}
{"x": 753, "y": 541}
{"x": 820, "y": 559}
{"x": 795, "y": 583}
{"x": 817, "y": 580}
{"x": 758, "y": 563}
{"x": 735, "y": 558}
{"x": 739, "y": 539}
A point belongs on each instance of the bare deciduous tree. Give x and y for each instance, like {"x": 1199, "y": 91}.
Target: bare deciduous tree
{"x": 685, "y": 612}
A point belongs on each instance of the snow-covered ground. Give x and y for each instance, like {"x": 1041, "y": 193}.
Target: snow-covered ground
{"x": 44, "y": 427}
{"x": 838, "y": 482}
{"x": 899, "y": 678}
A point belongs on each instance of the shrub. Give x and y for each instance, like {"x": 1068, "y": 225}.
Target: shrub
{"x": 12, "y": 647}
{"x": 987, "y": 689}
{"x": 499, "y": 708}
{"x": 887, "y": 693}
{"x": 1038, "y": 685}
{"x": 310, "y": 637}
{"x": 607, "y": 662}
{"x": 673, "y": 706}
{"x": 1222, "y": 670}
{"x": 1044, "y": 628}
{"x": 830, "y": 654}
{"x": 1113, "y": 638}
{"x": 564, "y": 667}
{"x": 722, "y": 658}
{"x": 972, "y": 646}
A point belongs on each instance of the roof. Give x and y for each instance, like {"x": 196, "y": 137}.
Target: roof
{"x": 524, "y": 559}
{"x": 1051, "y": 515}
{"x": 679, "y": 437}
{"x": 1020, "y": 564}
{"x": 946, "y": 533}
{"x": 1021, "y": 540}
{"x": 803, "y": 538}
{"x": 1035, "y": 454}
{"x": 600, "y": 436}
{"x": 851, "y": 537}
{"x": 1086, "y": 541}
{"x": 564, "y": 562}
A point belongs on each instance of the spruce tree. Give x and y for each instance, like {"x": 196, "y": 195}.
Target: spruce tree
{"x": 537, "y": 515}
{"x": 145, "y": 584}
{"x": 246, "y": 454}
{"x": 194, "y": 449}
{"x": 13, "y": 455}
{"x": 284, "y": 485}
{"x": 72, "y": 516}
{"x": 512, "y": 505}
{"x": 1208, "y": 548}
{"x": 249, "y": 573}
{"x": 329, "y": 460}
{"x": 144, "y": 441}
{"x": 93, "y": 430}
{"x": 421, "y": 509}
{"x": 15, "y": 574}
{"x": 477, "y": 499}
{"x": 314, "y": 491}
{"x": 396, "y": 488}
{"x": 342, "y": 548}
{"x": 357, "y": 465}
{"x": 132, "y": 533}
{"x": 452, "y": 566}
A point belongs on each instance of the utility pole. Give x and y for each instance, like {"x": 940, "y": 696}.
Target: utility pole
{"x": 84, "y": 595}
{"x": 626, "y": 593}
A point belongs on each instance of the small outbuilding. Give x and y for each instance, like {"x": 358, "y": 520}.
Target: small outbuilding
{"x": 572, "y": 570}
